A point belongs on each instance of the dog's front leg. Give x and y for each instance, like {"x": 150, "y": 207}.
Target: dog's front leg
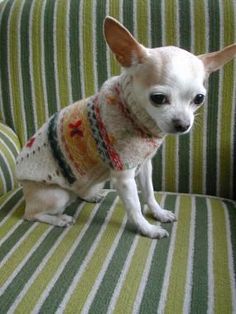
{"x": 124, "y": 182}
{"x": 145, "y": 184}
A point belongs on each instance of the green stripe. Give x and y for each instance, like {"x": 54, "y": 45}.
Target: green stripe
{"x": 10, "y": 140}
{"x": 75, "y": 33}
{"x": 21, "y": 252}
{"x": 40, "y": 283}
{"x": 4, "y": 54}
{"x": 133, "y": 278}
{"x": 184, "y": 141}
{"x": 142, "y": 25}
{"x": 8, "y": 201}
{"x": 197, "y": 132}
{"x": 49, "y": 57}
{"x": 156, "y": 24}
{"x": 88, "y": 51}
{"x": 180, "y": 258}
{"x": 212, "y": 108}
{"x": 222, "y": 284}
{"x": 114, "y": 11}
{"x": 14, "y": 69}
{"x": 16, "y": 286}
{"x": 13, "y": 239}
{"x": 200, "y": 260}
{"x": 171, "y": 142}
{"x": 61, "y": 50}
{"x": 62, "y": 284}
{"x": 37, "y": 55}
{"x": 105, "y": 291}
{"x": 100, "y": 43}
{"x": 231, "y": 207}
{"x": 152, "y": 292}
{"x": 225, "y": 174}
{"x": 156, "y": 41}
{"x": 7, "y": 173}
{"x": 25, "y": 64}
{"x": 86, "y": 282}
{"x": 128, "y": 12}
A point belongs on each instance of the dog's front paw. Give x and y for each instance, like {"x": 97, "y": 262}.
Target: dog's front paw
{"x": 164, "y": 215}
{"x": 155, "y": 232}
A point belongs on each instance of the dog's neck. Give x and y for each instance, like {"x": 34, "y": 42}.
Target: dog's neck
{"x": 121, "y": 87}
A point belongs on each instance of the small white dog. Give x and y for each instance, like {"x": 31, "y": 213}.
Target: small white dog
{"x": 114, "y": 134}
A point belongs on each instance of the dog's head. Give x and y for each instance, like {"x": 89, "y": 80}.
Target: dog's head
{"x": 169, "y": 82}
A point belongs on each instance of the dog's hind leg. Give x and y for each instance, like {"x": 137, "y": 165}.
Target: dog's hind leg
{"x": 46, "y": 203}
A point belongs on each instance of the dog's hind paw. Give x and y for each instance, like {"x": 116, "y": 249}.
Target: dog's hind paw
{"x": 95, "y": 199}
{"x": 155, "y": 232}
{"x": 65, "y": 220}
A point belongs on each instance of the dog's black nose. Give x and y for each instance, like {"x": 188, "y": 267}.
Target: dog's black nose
{"x": 180, "y": 126}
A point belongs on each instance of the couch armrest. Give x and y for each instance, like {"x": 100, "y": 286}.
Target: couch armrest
{"x": 9, "y": 149}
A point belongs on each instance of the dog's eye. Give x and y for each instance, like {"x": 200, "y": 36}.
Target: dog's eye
{"x": 199, "y": 99}
{"x": 159, "y": 99}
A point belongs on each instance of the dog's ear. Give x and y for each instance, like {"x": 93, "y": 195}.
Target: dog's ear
{"x": 215, "y": 60}
{"x": 125, "y": 47}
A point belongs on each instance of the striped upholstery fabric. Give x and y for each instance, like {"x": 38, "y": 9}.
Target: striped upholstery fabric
{"x": 53, "y": 53}
{"x": 9, "y": 149}
{"x": 101, "y": 266}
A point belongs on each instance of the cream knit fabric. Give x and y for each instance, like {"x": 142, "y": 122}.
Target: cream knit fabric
{"x": 89, "y": 137}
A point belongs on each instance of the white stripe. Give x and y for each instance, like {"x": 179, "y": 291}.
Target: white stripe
{"x": 121, "y": 11}
{"x": 52, "y": 282}
{"x": 87, "y": 260}
{"x": 41, "y": 266}
{"x": 123, "y": 275}
{"x": 102, "y": 273}
{"x": 24, "y": 261}
{"x": 189, "y": 275}
{"x": 211, "y": 282}
{"x": 166, "y": 279}
{"x": 230, "y": 258}
{"x": 81, "y": 48}
{"x": 144, "y": 279}
{"x": 135, "y": 23}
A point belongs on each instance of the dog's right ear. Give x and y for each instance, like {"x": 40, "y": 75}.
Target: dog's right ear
{"x": 126, "y": 48}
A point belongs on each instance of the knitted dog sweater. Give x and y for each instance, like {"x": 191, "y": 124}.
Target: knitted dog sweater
{"x": 85, "y": 139}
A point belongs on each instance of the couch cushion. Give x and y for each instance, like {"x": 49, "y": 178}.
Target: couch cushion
{"x": 9, "y": 149}
{"x": 101, "y": 264}
{"x": 54, "y": 53}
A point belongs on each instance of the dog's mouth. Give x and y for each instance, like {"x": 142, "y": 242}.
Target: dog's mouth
{"x": 176, "y": 127}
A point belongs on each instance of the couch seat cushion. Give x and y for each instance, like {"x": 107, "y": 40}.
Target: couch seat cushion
{"x": 101, "y": 264}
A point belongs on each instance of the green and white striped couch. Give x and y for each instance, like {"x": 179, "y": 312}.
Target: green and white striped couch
{"x": 52, "y": 53}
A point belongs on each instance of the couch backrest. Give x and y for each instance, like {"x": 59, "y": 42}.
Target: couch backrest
{"x": 52, "y": 52}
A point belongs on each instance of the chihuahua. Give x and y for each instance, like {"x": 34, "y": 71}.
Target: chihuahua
{"x": 114, "y": 134}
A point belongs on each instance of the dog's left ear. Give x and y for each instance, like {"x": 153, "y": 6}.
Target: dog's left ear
{"x": 125, "y": 47}
{"x": 215, "y": 60}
